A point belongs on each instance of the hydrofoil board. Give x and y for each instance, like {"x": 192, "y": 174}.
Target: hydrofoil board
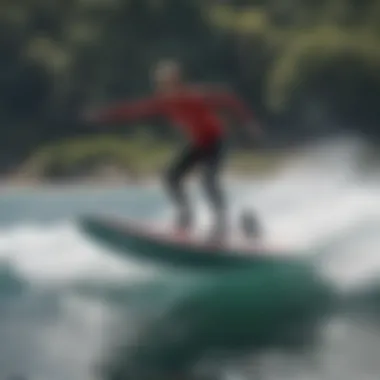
{"x": 150, "y": 242}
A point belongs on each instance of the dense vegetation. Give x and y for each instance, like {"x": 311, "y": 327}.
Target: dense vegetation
{"x": 307, "y": 67}
{"x": 106, "y": 157}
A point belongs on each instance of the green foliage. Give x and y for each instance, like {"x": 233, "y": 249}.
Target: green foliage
{"x": 311, "y": 54}
{"x": 58, "y": 57}
{"x": 134, "y": 156}
{"x": 303, "y": 51}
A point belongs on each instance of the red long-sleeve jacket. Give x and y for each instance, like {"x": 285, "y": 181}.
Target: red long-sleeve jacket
{"x": 194, "y": 111}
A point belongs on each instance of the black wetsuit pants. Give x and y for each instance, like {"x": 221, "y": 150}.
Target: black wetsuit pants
{"x": 209, "y": 160}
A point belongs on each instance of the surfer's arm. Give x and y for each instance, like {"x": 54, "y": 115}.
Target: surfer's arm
{"x": 126, "y": 111}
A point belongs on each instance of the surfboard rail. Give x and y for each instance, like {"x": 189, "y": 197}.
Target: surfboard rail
{"x": 145, "y": 242}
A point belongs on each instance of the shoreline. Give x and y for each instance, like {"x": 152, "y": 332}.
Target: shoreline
{"x": 108, "y": 183}
{"x": 113, "y": 177}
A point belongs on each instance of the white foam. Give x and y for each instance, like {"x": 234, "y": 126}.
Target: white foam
{"x": 59, "y": 253}
{"x": 312, "y": 200}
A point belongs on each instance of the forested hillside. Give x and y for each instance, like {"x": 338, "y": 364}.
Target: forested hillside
{"x": 306, "y": 67}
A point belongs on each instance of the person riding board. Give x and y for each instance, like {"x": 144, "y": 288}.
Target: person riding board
{"x": 193, "y": 109}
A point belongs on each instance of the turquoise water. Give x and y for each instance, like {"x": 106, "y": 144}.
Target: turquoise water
{"x": 65, "y": 302}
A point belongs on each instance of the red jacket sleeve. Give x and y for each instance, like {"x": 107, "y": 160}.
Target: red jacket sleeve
{"x": 227, "y": 100}
{"x": 130, "y": 111}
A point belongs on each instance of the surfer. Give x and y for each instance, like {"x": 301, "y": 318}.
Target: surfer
{"x": 192, "y": 108}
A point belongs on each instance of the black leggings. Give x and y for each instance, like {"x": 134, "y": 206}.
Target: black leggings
{"x": 209, "y": 158}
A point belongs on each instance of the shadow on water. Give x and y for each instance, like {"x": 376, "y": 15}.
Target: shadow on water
{"x": 231, "y": 316}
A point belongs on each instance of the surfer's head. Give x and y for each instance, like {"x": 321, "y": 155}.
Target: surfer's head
{"x": 167, "y": 75}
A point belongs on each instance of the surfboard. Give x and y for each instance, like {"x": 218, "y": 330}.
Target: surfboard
{"x": 153, "y": 243}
